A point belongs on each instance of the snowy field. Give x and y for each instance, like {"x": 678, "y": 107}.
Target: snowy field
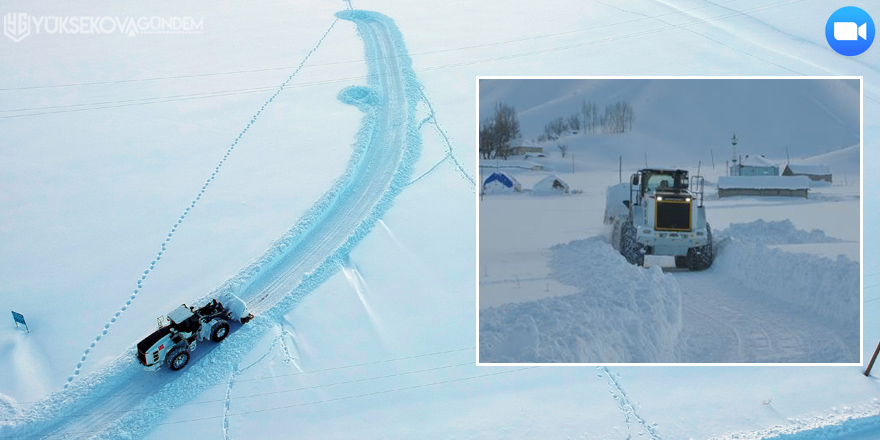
{"x": 107, "y": 140}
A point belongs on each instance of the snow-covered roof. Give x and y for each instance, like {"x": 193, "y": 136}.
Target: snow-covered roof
{"x": 763, "y": 182}
{"x": 501, "y": 182}
{"x": 757, "y": 161}
{"x": 549, "y": 185}
{"x": 804, "y": 168}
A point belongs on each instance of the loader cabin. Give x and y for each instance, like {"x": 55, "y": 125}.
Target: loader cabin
{"x": 652, "y": 180}
{"x": 669, "y": 189}
{"x": 183, "y": 320}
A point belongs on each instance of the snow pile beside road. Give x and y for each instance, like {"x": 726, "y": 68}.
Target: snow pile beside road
{"x": 622, "y": 313}
{"x": 826, "y": 289}
{"x": 774, "y": 232}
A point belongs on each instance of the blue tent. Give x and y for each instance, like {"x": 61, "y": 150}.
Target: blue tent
{"x": 503, "y": 179}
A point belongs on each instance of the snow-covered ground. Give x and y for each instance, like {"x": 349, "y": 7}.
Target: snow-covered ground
{"x": 107, "y": 139}
{"x": 757, "y": 303}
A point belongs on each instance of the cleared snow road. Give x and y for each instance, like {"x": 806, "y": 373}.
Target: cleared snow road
{"x": 387, "y": 142}
{"x": 723, "y": 321}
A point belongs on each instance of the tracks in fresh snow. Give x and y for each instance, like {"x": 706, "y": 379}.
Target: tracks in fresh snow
{"x": 121, "y": 400}
{"x": 626, "y": 405}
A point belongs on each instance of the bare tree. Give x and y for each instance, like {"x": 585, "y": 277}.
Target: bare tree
{"x": 574, "y": 121}
{"x": 586, "y": 113}
{"x": 562, "y": 148}
{"x": 555, "y": 128}
{"x": 506, "y": 127}
{"x": 594, "y": 117}
{"x": 617, "y": 118}
{"x": 496, "y": 133}
{"x": 487, "y": 138}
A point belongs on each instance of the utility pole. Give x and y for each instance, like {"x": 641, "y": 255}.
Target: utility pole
{"x": 873, "y": 358}
{"x": 620, "y": 169}
{"x": 481, "y": 182}
{"x": 712, "y": 153}
{"x": 646, "y": 159}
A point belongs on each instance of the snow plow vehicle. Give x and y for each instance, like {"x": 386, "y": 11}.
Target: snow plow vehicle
{"x": 661, "y": 213}
{"x": 173, "y": 342}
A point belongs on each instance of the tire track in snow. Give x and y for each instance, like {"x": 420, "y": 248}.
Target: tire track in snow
{"x": 186, "y": 211}
{"x": 759, "y": 328}
{"x": 386, "y": 149}
{"x": 387, "y": 146}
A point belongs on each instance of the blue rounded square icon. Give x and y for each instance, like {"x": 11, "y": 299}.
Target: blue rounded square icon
{"x": 850, "y": 31}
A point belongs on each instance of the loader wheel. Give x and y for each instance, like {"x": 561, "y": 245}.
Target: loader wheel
{"x": 681, "y": 262}
{"x": 630, "y": 248}
{"x": 219, "y": 331}
{"x": 178, "y": 358}
{"x": 615, "y": 235}
{"x": 701, "y": 257}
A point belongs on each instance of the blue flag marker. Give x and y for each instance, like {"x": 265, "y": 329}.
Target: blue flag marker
{"x": 19, "y": 319}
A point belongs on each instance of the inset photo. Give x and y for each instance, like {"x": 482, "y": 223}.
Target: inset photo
{"x": 682, "y": 221}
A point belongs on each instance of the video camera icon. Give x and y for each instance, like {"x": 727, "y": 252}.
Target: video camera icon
{"x": 849, "y": 31}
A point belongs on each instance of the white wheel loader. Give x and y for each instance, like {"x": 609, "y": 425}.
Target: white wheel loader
{"x": 173, "y": 342}
{"x": 662, "y": 213}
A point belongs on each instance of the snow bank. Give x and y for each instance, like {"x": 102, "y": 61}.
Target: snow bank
{"x": 614, "y": 197}
{"x": 622, "y": 313}
{"x": 773, "y": 232}
{"x": 823, "y": 288}
{"x": 843, "y": 423}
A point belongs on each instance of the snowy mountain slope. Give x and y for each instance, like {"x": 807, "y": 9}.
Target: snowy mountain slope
{"x": 807, "y": 116}
{"x": 841, "y": 162}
